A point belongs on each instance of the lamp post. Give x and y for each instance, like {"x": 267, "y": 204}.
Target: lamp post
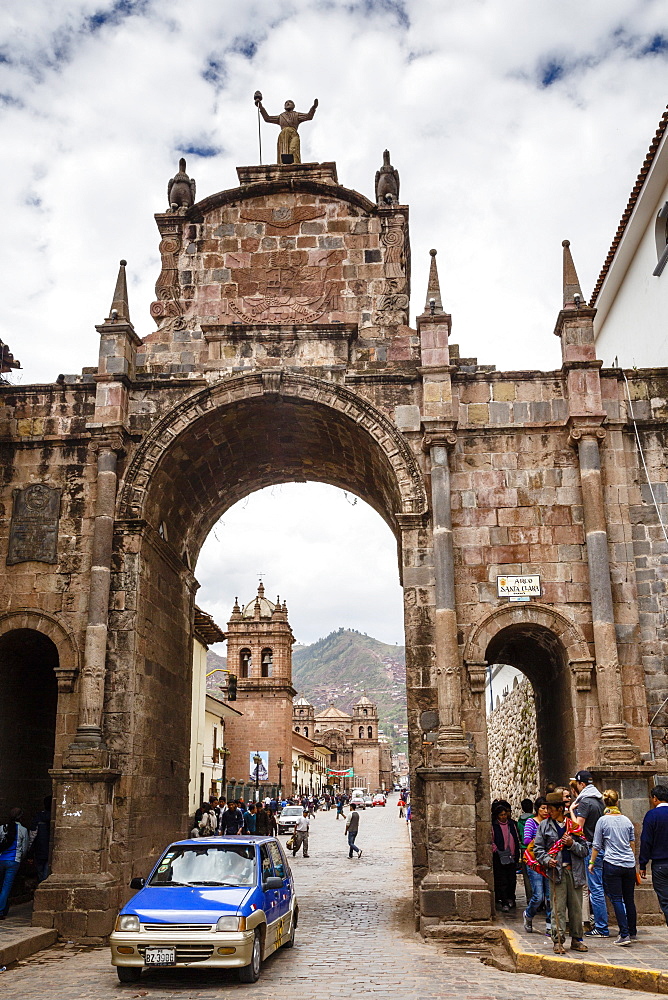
{"x": 295, "y": 768}
{"x": 257, "y": 760}
{"x": 280, "y": 764}
{"x": 311, "y": 773}
{"x": 224, "y": 753}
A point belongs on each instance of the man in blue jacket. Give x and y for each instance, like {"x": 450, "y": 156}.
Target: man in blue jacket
{"x": 654, "y": 844}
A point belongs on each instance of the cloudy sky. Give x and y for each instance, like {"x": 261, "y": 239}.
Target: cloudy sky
{"x": 514, "y": 124}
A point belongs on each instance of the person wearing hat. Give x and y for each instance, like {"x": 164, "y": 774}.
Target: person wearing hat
{"x": 586, "y": 811}
{"x": 566, "y": 873}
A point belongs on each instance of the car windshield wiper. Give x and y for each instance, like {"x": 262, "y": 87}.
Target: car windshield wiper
{"x": 235, "y": 884}
{"x": 159, "y": 884}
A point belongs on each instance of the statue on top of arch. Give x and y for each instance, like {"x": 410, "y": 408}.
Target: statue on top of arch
{"x": 288, "y": 148}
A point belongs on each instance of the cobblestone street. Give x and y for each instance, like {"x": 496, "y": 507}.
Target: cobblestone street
{"x": 354, "y": 936}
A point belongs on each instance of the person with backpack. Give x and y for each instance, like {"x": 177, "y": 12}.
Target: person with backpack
{"x": 14, "y": 844}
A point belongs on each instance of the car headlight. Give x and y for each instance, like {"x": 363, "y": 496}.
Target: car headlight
{"x": 127, "y": 922}
{"x": 231, "y": 924}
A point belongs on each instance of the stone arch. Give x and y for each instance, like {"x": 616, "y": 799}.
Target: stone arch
{"x": 552, "y": 652}
{"x": 50, "y": 626}
{"x": 399, "y": 490}
{"x": 567, "y": 631}
{"x": 281, "y": 185}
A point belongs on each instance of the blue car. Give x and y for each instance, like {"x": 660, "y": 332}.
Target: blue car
{"x": 221, "y": 902}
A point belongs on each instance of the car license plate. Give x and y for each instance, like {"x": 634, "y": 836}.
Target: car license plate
{"x": 160, "y": 956}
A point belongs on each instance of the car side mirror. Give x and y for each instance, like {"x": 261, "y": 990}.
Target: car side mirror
{"x": 137, "y": 883}
{"x": 273, "y": 882}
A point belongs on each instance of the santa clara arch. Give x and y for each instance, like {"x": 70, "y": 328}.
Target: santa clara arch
{"x": 283, "y": 351}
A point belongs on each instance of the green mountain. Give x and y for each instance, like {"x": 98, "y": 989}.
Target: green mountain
{"x": 344, "y": 665}
{"x": 340, "y": 668}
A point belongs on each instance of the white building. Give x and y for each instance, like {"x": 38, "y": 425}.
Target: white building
{"x": 207, "y": 720}
{"x": 631, "y": 294}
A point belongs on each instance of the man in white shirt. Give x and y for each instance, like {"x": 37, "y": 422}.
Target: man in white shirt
{"x": 301, "y": 834}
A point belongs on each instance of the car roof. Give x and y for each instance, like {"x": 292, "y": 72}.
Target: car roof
{"x": 240, "y": 839}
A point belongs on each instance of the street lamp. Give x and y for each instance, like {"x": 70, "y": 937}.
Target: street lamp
{"x": 257, "y": 760}
{"x": 224, "y": 753}
{"x": 311, "y": 773}
{"x": 295, "y": 767}
{"x": 280, "y": 764}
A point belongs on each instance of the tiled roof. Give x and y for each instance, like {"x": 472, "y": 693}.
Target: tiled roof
{"x": 206, "y": 628}
{"x": 633, "y": 198}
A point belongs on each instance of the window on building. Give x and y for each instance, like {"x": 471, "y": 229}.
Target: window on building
{"x": 296, "y": 729}
{"x": 370, "y": 732}
{"x": 361, "y": 732}
{"x": 267, "y": 663}
{"x": 366, "y": 711}
{"x": 305, "y": 730}
{"x": 215, "y": 741}
{"x": 244, "y": 663}
{"x": 301, "y": 711}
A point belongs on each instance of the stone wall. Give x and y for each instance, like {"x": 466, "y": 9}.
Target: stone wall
{"x": 513, "y": 750}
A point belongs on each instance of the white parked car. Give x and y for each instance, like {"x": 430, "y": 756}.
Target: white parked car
{"x": 288, "y": 818}
{"x": 357, "y": 799}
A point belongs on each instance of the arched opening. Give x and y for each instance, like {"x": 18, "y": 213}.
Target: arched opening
{"x": 28, "y": 703}
{"x": 370, "y": 732}
{"x": 217, "y": 447}
{"x": 244, "y": 663}
{"x": 531, "y": 724}
{"x": 361, "y": 732}
{"x": 267, "y": 663}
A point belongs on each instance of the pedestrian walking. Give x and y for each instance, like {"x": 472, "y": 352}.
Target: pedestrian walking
{"x": 561, "y": 850}
{"x": 300, "y": 836}
{"x": 654, "y": 845}
{"x": 339, "y": 808}
{"x": 526, "y": 813}
{"x": 505, "y": 855}
{"x": 250, "y": 819}
{"x": 14, "y": 843}
{"x": 402, "y": 806}
{"x": 614, "y": 835}
{"x": 232, "y": 822}
{"x": 540, "y": 892}
{"x": 351, "y": 831}
{"x": 586, "y": 810}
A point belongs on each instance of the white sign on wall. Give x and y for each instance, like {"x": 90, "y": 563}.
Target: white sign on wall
{"x": 518, "y": 588}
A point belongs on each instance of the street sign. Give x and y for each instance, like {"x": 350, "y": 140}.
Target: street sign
{"x": 518, "y": 588}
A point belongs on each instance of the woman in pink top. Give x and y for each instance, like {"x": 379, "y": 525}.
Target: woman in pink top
{"x": 505, "y": 855}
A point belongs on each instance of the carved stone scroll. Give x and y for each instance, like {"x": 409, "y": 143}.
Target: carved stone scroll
{"x": 33, "y": 534}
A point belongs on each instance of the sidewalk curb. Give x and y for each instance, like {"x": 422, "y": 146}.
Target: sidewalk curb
{"x": 26, "y": 943}
{"x": 581, "y": 971}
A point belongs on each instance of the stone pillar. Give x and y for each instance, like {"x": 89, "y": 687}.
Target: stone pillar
{"x": 615, "y": 747}
{"x": 91, "y": 693}
{"x": 451, "y": 747}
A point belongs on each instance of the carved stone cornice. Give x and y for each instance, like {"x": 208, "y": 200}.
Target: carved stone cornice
{"x": 582, "y": 669}
{"x": 438, "y": 439}
{"x": 478, "y": 672}
{"x": 579, "y": 429}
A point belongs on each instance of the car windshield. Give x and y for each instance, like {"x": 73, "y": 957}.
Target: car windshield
{"x": 191, "y": 864}
{"x": 292, "y": 811}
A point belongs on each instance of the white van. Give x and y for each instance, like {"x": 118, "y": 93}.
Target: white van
{"x": 357, "y": 798}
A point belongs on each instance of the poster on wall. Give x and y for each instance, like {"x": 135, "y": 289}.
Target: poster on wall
{"x": 262, "y": 768}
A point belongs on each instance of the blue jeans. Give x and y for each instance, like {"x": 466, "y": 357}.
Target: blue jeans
{"x": 351, "y": 844}
{"x": 8, "y": 870}
{"x": 596, "y": 894}
{"x": 620, "y": 885}
{"x": 539, "y": 894}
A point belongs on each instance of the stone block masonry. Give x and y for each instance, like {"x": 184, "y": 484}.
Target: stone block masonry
{"x": 513, "y": 748}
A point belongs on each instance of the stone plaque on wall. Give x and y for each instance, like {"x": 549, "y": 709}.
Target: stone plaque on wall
{"x": 33, "y": 535}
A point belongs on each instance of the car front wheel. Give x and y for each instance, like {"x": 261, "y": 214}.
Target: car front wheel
{"x": 251, "y": 973}
{"x": 128, "y": 973}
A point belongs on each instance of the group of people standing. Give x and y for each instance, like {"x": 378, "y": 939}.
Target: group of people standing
{"x": 570, "y": 838}
{"x": 18, "y": 843}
